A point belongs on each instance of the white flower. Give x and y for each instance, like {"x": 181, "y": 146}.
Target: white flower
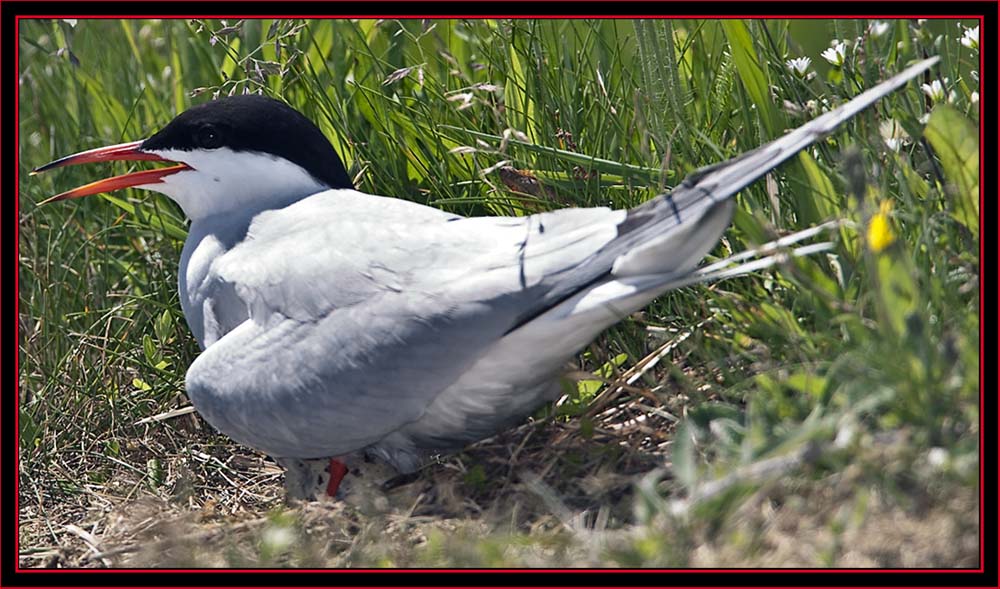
{"x": 975, "y": 76}
{"x": 278, "y": 539}
{"x": 893, "y": 134}
{"x": 970, "y": 38}
{"x": 935, "y": 90}
{"x": 836, "y": 55}
{"x": 937, "y": 457}
{"x": 974, "y": 98}
{"x": 938, "y": 91}
{"x": 845, "y": 435}
{"x": 799, "y": 66}
{"x": 878, "y": 28}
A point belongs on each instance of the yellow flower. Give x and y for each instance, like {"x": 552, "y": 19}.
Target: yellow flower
{"x": 880, "y": 233}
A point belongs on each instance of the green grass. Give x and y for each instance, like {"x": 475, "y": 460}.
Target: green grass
{"x": 836, "y": 392}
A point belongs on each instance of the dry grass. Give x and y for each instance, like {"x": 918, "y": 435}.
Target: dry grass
{"x": 543, "y": 494}
{"x": 219, "y": 489}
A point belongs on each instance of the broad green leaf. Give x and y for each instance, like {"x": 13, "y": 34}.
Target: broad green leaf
{"x": 704, "y": 414}
{"x": 752, "y": 73}
{"x": 232, "y": 56}
{"x": 586, "y": 389}
{"x": 519, "y": 103}
{"x": 807, "y": 382}
{"x": 750, "y": 225}
{"x": 154, "y": 471}
{"x": 319, "y": 48}
{"x": 29, "y": 430}
{"x": 683, "y": 456}
{"x": 162, "y": 327}
{"x": 955, "y": 142}
{"x": 178, "y": 75}
{"x": 127, "y": 29}
{"x": 817, "y": 203}
{"x": 149, "y": 349}
{"x": 897, "y": 290}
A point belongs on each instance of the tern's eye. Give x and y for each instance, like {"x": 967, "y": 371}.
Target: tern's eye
{"x": 208, "y": 137}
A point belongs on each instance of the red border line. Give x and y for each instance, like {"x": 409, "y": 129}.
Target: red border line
{"x": 16, "y": 433}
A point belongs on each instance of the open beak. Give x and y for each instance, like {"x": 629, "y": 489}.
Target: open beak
{"x": 121, "y": 152}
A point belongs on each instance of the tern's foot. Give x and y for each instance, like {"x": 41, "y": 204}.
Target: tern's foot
{"x": 306, "y": 479}
{"x": 360, "y": 483}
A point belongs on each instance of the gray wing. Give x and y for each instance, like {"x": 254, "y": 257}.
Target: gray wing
{"x": 363, "y": 309}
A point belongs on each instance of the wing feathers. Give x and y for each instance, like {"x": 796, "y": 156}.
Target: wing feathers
{"x": 380, "y": 321}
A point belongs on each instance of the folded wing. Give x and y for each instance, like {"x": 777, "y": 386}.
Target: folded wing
{"x": 367, "y": 313}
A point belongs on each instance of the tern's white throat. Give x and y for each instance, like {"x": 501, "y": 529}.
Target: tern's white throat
{"x": 225, "y": 181}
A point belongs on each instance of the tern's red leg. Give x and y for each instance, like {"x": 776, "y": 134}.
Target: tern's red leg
{"x": 337, "y": 471}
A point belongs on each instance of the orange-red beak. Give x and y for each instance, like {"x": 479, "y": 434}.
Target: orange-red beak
{"x": 121, "y": 152}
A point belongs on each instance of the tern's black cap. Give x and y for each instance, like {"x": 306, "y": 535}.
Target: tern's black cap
{"x": 259, "y": 124}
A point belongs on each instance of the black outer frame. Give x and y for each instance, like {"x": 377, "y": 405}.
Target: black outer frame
{"x": 11, "y": 575}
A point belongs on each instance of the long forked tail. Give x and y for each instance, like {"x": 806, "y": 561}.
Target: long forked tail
{"x": 671, "y": 233}
{"x": 660, "y": 242}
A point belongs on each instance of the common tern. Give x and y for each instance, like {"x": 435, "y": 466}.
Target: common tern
{"x": 334, "y": 322}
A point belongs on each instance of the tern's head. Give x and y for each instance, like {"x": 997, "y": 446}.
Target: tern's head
{"x": 236, "y": 153}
